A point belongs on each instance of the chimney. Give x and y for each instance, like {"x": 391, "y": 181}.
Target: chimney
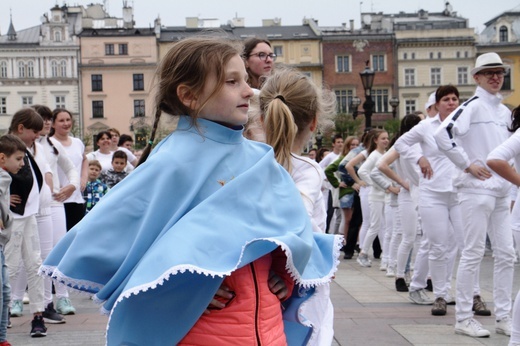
{"x": 352, "y": 25}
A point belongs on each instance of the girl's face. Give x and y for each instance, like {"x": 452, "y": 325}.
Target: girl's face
{"x": 447, "y": 104}
{"x": 47, "y": 124}
{"x": 28, "y": 136}
{"x": 382, "y": 141}
{"x": 104, "y": 143}
{"x": 62, "y": 124}
{"x": 354, "y": 144}
{"x": 259, "y": 63}
{"x": 230, "y": 105}
{"x": 128, "y": 145}
{"x": 114, "y": 139}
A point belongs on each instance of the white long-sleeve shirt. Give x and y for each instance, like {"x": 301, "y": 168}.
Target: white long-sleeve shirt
{"x": 444, "y": 171}
{"x": 376, "y": 194}
{"x": 469, "y": 134}
{"x": 507, "y": 151}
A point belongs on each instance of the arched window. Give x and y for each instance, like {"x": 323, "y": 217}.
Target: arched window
{"x": 30, "y": 69}
{"x": 54, "y": 68}
{"x": 57, "y": 36}
{"x": 21, "y": 69}
{"x": 3, "y": 69}
{"x": 63, "y": 68}
{"x": 503, "y": 34}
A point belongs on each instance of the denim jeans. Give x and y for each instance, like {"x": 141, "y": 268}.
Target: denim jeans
{"x": 5, "y": 297}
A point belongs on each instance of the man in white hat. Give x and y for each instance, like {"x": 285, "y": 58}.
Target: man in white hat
{"x": 467, "y": 136}
{"x": 430, "y": 107}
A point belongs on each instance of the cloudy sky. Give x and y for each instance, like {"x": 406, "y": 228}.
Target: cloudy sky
{"x": 27, "y": 13}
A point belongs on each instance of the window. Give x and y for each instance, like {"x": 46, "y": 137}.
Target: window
{"x": 458, "y": 55}
{"x": 503, "y": 34}
{"x": 54, "y": 68}
{"x": 462, "y": 75}
{"x": 30, "y": 69}
{"x": 27, "y": 101}
{"x": 439, "y": 55}
{"x": 57, "y": 36}
{"x": 21, "y": 69}
{"x": 413, "y": 56}
{"x": 507, "y": 81}
{"x": 63, "y": 68}
{"x": 466, "y": 54}
{"x": 405, "y": 56}
{"x": 139, "y": 108}
{"x": 409, "y": 77}
{"x": 123, "y": 49}
{"x": 109, "y": 49}
{"x": 378, "y": 62}
{"x": 431, "y": 55}
{"x": 410, "y": 106}
{"x": 343, "y": 100}
{"x": 435, "y": 75}
{"x": 278, "y": 50}
{"x": 97, "y": 82}
{"x": 342, "y": 63}
{"x": 97, "y": 109}
{"x": 3, "y": 105}
{"x": 3, "y": 69}
{"x": 60, "y": 102}
{"x": 138, "y": 81}
{"x": 380, "y": 97}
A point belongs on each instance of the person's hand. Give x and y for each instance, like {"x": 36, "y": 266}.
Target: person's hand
{"x": 14, "y": 200}
{"x": 222, "y": 298}
{"x": 343, "y": 185}
{"x": 426, "y": 169}
{"x": 83, "y": 185}
{"x": 356, "y": 187}
{"x": 277, "y": 286}
{"x": 479, "y": 172}
{"x": 394, "y": 189}
{"x": 64, "y": 193}
{"x": 362, "y": 183}
{"x": 405, "y": 185}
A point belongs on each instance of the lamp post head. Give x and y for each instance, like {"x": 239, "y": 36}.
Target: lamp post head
{"x": 394, "y": 102}
{"x": 367, "y": 77}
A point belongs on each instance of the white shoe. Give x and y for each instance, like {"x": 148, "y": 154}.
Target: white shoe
{"x": 383, "y": 266}
{"x": 503, "y": 326}
{"x": 471, "y": 327}
{"x": 26, "y": 298}
{"x": 450, "y": 300}
{"x": 420, "y": 297}
{"x": 390, "y": 271}
{"x": 363, "y": 260}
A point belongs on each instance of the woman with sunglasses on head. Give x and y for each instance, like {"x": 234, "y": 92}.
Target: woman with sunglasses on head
{"x": 259, "y": 60}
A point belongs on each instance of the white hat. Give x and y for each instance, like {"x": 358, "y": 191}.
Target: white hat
{"x": 430, "y": 102}
{"x": 488, "y": 60}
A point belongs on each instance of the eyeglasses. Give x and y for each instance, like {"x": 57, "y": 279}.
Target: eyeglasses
{"x": 490, "y": 74}
{"x": 263, "y": 56}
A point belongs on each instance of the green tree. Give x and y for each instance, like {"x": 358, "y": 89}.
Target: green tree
{"x": 392, "y": 127}
{"x": 346, "y": 125}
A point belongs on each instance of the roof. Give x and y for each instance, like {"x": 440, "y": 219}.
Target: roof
{"x": 117, "y": 32}
{"x": 295, "y": 32}
{"x": 25, "y": 36}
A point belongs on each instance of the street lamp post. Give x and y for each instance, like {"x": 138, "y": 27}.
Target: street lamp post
{"x": 319, "y": 139}
{"x": 367, "y": 78}
{"x": 394, "y": 102}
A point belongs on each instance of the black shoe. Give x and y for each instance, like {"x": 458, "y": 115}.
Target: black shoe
{"x": 429, "y": 285}
{"x": 9, "y": 324}
{"x": 357, "y": 249}
{"x": 479, "y": 307}
{"x": 400, "y": 285}
{"x": 38, "y": 328}
{"x": 348, "y": 256}
{"x": 439, "y": 307}
{"x": 51, "y": 316}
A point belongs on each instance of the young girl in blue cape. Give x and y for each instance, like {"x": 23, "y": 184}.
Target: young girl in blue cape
{"x": 213, "y": 233}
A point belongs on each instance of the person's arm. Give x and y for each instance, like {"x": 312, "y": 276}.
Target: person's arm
{"x": 367, "y": 166}
{"x": 499, "y": 159}
{"x": 330, "y": 170}
{"x": 352, "y": 170}
{"x": 67, "y": 166}
{"x": 280, "y": 282}
{"x": 84, "y": 173}
{"x": 384, "y": 166}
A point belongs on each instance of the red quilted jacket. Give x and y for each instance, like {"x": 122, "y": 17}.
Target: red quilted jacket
{"x": 254, "y": 316}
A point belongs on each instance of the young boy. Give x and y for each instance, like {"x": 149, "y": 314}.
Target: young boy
{"x": 113, "y": 176}
{"x": 95, "y": 188}
{"x": 12, "y": 152}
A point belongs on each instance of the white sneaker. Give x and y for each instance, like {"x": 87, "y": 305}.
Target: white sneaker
{"x": 383, "y": 266}
{"x": 363, "y": 260}
{"x": 26, "y": 298}
{"x": 390, "y": 271}
{"x": 503, "y": 326}
{"x": 450, "y": 300}
{"x": 420, "y": 297}
{"x": 471, "y": 327}
{"x": 408, "y": 277}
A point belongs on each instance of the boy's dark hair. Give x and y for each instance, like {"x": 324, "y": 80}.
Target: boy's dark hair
{"x": 338, "y": 136}
{"x": 95, "y": 163}
{"x": 10, "y": 144}
{"x": 124, "y": 138}
{"x": 119, "y": 154}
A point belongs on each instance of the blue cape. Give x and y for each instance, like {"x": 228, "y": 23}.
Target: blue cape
{"x": 156, "y": 248}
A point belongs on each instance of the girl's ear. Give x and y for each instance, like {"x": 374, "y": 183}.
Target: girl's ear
{"x": 314, "y": 124}
{"x": 20, "y": 128}
{"x": 186, "y": 96}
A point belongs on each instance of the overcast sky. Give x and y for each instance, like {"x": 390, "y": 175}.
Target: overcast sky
{"x": 27, "y": 13}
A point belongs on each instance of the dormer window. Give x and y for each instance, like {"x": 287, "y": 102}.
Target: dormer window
{"x": 503, "y": 34}
{"x": 57, "y": 36}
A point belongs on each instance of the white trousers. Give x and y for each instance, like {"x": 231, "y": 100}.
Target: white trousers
{"x": 365, "y": 211}
{"x": 377, "y": 219}
{"x": 24, "y": 246}
{"x": 485, "y": 213}
{"x": 393, "y": 221}
{"x": 420, "y": 266}
{"x": 407, "y": 210}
